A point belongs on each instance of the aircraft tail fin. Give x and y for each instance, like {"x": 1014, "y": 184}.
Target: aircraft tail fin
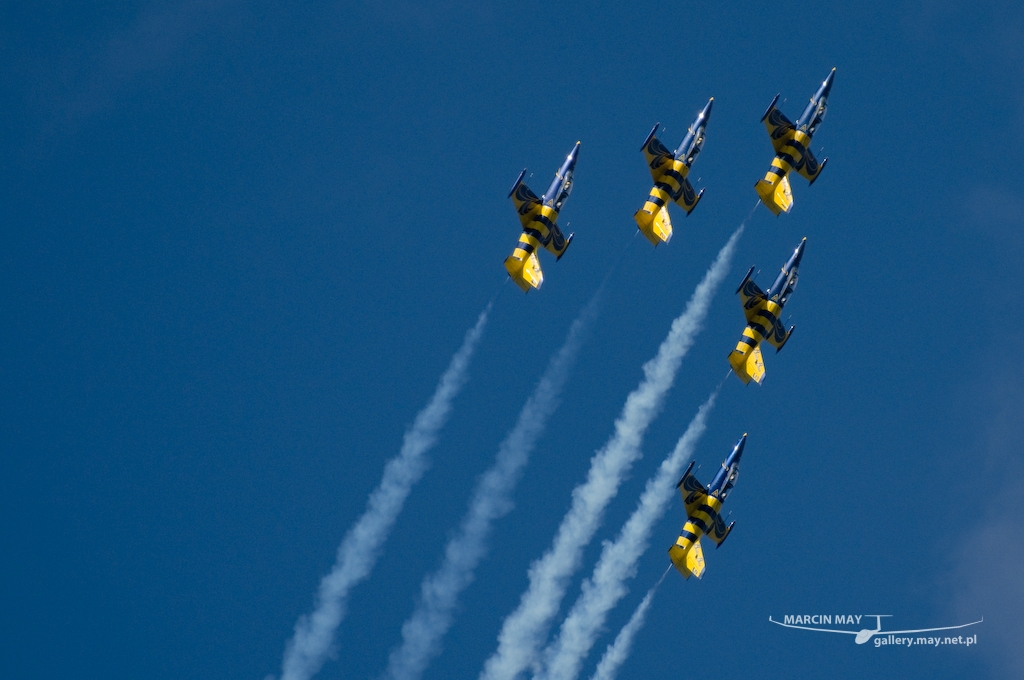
{"x": 526, "y": 273}
{"x": 657, "y": 227}
{"x": 748, "y": 365}
{"x": 688, "y": 561}
{"x": 776, "y": 196}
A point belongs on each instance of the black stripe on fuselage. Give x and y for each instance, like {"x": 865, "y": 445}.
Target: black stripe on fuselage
{"x": 768, "y": 316}
{"x": 544, "y": 220}
{"x": 674, "y": 175}
{"x": 535, "y": 233}
{"x": 797, "y": 146}
{"x": 673, "y": 193}
{"x": 656, "y": 200}
{"x": 708, "y": 510}
{"x": 785, "y": 157}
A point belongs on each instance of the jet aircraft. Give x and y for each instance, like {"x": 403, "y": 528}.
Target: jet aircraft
{"x": 540, "y": 228}
{"x": 763, "y": 323}
{"x": 792, "y": 149}
{"x": 669, "y": 171}
{"x": 703, "y": 513}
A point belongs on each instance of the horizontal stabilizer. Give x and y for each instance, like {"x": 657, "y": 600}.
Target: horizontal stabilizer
{"x": 526, "y": 273}
{"x": 688, "y": 562}
{"x": 657, "y": 227}
{"x": 776, "y": 196}
{"x": 749, "y": 366}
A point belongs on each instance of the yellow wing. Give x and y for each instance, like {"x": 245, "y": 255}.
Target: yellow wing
{"x": 718, "y": 530}
{"x": 692, "y": 491}
{"x": 687, "y": 198}
{"x": 810, "y": 168}
{"x": 752, "y": 298}
{"x": 526, "y": 202}
{"x": 658, "y": 156}
{"x": 780, "y": 129}
{"x": 776, "y": 334}
{"x": 555, "y": 242}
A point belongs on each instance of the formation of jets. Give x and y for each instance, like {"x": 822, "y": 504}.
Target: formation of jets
{"x": 762, "y": 309}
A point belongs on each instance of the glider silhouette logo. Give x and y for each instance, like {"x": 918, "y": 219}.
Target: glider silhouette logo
{"x": 882, "y": 637}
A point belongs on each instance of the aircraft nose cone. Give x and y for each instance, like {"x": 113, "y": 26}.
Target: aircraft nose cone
{"x": 575, "y": 152}
{"x": 706, "y": 113}
{"x": 737, "y": 450}
{"x": 827, "y": 85}
{"x": 799, "y": 252}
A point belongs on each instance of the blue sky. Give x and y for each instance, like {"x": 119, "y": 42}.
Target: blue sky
{"x": 241, "y": 242}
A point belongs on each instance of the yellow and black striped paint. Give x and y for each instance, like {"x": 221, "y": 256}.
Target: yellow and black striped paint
{"x": 763, "y": 312}
{"x": 539, "y": 219}
{"x": 669, "y": 171}
{"x": 792, "y": 144}
{"x": 762, "y": 324}
{"x": 703, "y": 513}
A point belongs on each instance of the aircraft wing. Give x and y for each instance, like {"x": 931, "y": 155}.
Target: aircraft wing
{"x": 718, "y": 531}
{"x": 657, "y": 154}
{"x": 810, "y": 168}
{"x": 752, "y": 298}
{"x": 526, "y": 202}
{"x": 693, "y": 493}
{"x": 556, "y": 242}
{"x": 688, "y": 198}
{"x": 779, "y": 127}
{"x": 775, "y": 333}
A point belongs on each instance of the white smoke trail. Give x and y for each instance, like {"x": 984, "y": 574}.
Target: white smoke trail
{"x": 525, "y": 629}
{"x": 439, "y": 592}
{"x": 606, "y": 587}
{"x": 358, "y": 552}
{"x": 619, "y": 650}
